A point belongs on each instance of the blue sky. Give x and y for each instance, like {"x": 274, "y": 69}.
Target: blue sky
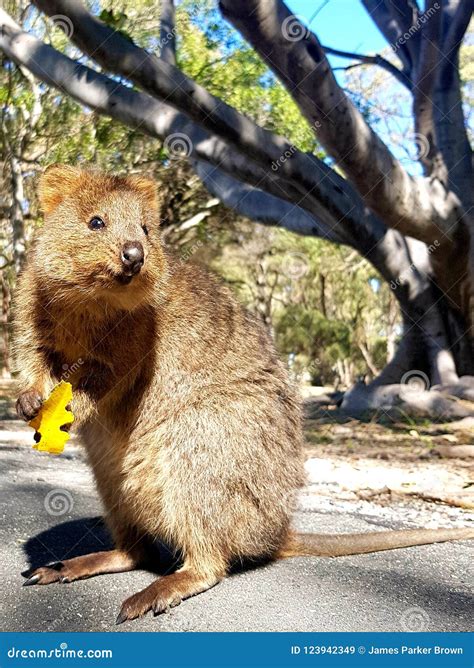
{"x": 341, "y": 24}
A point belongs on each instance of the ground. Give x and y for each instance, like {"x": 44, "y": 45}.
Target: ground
{"x": 362, "y": 477}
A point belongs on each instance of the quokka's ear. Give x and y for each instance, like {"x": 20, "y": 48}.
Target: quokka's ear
{"x": 56, "y": 183}
{"x": 146, "y": 188}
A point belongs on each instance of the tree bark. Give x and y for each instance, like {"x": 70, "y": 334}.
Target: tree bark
{"x": 17, "y": 219}
{"x": 418, "y": 207}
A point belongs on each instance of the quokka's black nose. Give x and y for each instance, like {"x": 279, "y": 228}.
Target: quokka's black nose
{"x": 132, "y": 257}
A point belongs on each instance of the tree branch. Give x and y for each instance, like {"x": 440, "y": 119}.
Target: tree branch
{"x": 425, "y": 76}
{"x": 264, "y": 208}
{"x": 406, "y": 14}
{"x": 379, "y": 12}
{"x": 138, "y": 110}
{"x": 168, "y": 32}
{"x": 400, "y": 75}
{"x": 95, "y": 90}
{"x": 121, "y": 56}
{"x": 358, "y": 228}
{"x": 450, "y": 121}
{"x": 409, "y": 204}
{"x": 415, "y": 206}
{"x": 275, "y": 165}
{"x": 456, "y": 31}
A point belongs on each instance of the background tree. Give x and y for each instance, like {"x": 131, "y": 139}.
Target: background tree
{"x": 414, "y": 230}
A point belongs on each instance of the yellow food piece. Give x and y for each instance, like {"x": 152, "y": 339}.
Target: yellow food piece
{"x": 52, "y": 416}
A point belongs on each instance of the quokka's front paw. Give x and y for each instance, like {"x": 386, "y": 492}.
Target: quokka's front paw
{"x": 28, "y": 404}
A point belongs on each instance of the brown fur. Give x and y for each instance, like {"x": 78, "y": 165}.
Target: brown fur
{"x": 191, "y": 424}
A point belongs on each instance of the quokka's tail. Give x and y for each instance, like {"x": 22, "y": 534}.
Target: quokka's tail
{"x": 338, "y": 545}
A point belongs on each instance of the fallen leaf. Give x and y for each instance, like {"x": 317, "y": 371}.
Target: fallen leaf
{"x": 52, "y": 416}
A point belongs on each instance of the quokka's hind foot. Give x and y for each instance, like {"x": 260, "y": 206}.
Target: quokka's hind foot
{"x": 78, "y": 568}
{"x": 167, "y": 592}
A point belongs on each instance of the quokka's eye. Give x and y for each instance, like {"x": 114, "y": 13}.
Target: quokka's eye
{"x": 96, "y": 223}
{"x": 145, "y": 229}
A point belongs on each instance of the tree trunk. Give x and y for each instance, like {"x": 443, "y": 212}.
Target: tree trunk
{"x": 392, "y": 333}
{"x": 368, "y": 359}
{"x": 263, "y": 294}
{"x": 16, "y": 214}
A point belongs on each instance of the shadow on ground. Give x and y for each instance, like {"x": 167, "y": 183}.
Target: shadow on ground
{"x": 83, "y": 536}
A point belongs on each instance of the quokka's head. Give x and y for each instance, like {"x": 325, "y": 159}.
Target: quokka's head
{"x": 100, "y": 238}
